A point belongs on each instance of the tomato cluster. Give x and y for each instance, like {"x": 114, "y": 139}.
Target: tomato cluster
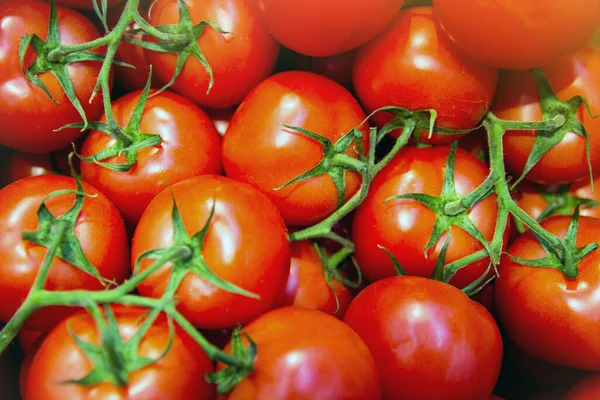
{"x": 284, "y": 199}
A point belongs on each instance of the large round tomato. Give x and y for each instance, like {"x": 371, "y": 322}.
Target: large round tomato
{"x": 518, "y": 99}
{"x": 404, "y": 226}
{"x": 306, "y": 354}
{"x": 260, "y": 150}
{"x": 179, "y": 374}
{"x": 413, "y": 65}
{"x": 587, "y": 389}
{"x": 549, "y": 316}
{"x": 518, "y": 35}
{"x": 100, "y": 231}
{"x": 307, "y": 286}
{"x": 29, "y": 117}
{"x": 190, "y": 146}
{"x": 239, "y": 59}
{"x": 326, "y": 27}
{"x": 429, "y": 340}
{"x": 246, "y": 244}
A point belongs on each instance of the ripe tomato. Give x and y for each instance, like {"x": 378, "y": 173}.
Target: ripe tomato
{"x": 547, "y": 315}
{"x": 323, "y": 28}
{"x": 17, "y": 165}
{"x": 100, "y": 231}
{"x": 337, "y": 67}
{"x": 239, "y": 59}
{"x": 404, "y": 226}
{"x": 85, "y": 4}
{"x": 190, "y": 146}
{"x": 246, "y": 244}
{"x": 29, "y": 116}
{"x": 413, "y": 65}
{"x": 519, "y": 35}
{"x": 260, "y": 150}
{"x": 518, "y": 99}
{"x": 177, "y": 375}
{"x": 30, "y": 352}
{"x": 27, "y": 340}
{"x": 306, "y": 354}
{"x": 307, "y": 286}
{"x": 429, "y": 340}
{"x": 587, "y": 389}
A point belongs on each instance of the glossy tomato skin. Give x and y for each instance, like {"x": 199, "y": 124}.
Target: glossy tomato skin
{"x": 518, "y": 99}
{"x": 259, "y": 150}
{"x": 190, "y": 146}
{"x": 307, "y": 286}
{"x": 404, "y": 226}
{"x": 306, "y": 354}
{"x": 60, "y": 359}
{"x": 17, "y": 165}
{"x": 429, "y": 340}
{"x": 323, "y": 28}
{"x": 239, "y": 60}
{"x": 587, "y": 389}
{"x": 246, "y": 244}
{"x": 100, "y": 231}
{"x": 519, "y": 35}
{"x": 413, "y": 65}
{"x": 547, "y": 315}
{"x": 29, "y": 117}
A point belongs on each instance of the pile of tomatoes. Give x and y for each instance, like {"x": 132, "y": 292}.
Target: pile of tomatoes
{"x": 300, "y": 199}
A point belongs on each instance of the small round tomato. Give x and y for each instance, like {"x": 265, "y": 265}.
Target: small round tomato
{"x": 306, "y": 354}
{"x": 179, "y": 374}
{"x": 99, "y": 229}
{"x": 258, "y": 149}
{"x": 322, "y": 28}
{"x": 587, "y": 389}
{"x": 429, "y": 340}
{"x": 246, "y": 244}
{"x": 518, "y": 99}
{"x": 307, "y": 286}
{"x": 518, "y": 35}
{"x": 404, "y": 226}
{"x": 413, "y": 65}
{"x": 551, "y": 317}
{"x": 29, "y": 117}
{"x": 190, "y": 146}
{"x": 239, "y": 59}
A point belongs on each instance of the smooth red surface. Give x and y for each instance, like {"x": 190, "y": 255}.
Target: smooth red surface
{"x": 587, "y": 389}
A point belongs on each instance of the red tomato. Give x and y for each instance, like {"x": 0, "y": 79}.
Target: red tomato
{"x": 307, "y": 286}
{"x": 518, "y": 99}
{"x": 587, "y": 389}
{"x": 190, "y": 146}
{"x": 259, "y": 150}
{"x": 30, "y": 352}
{"x": 246, "y": 244}
{"x": 29, "y": 116}
{"x": 306, "y": 354}
{"x": 413, "y": 65}
{"x": 337, "y": 67}
{"x": 519, "y": 35}
{"x": 85, "y": 4}
{"x": 27, "y": 339}
{"x": 323, "y": 28}
{"x": 239, "y": 59}
{"x": 429, "y": 340}
{"x": 60, "y": 359}
{"x": 405, "y": 226}
{"x": 547, "y": 315}
{"x": 100, "y": 231}
{"x": 17, "y": 165}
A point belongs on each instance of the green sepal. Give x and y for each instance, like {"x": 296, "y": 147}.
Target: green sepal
{"x": 481, "y": 282}
{"x": 562, "y": 202}
{"x": 439, "y": 269}
{"x": 397, "y": 266}
{"x": 227, "y": 378}
{"x": 102, "y": 12}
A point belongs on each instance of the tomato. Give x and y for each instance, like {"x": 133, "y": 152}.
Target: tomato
{"x": 100, "y": 231}
{"x": 27, "y": 340}
{"x": 518, "y": 99}
{"x": 404, "y": 226}
{"x": 30, "y": 352}
{"x": 239, "y": 59}
{"x": 29, "y": 117}
{"x": 306, "y": 354}
{"x": 429, "y": 340}
{"x": 17, "y": 165}
{"x": 519, "y": 35}
{"x": 587, "y": 389}
{"x": 337, "y": 67}
{"x": 259, "y": 150}
{"x": 221, "y": 119}
{"x": 547, "y": 315}
{"x": 324, "y": 28}
{"x": 246, "y": 244}
{"x": 307, "y": 286}
{"x": 60, "y": 359}
{"x": 190, "y": 146}
{"x": 85, "y": 4}
{"x": 413, "y": 65}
